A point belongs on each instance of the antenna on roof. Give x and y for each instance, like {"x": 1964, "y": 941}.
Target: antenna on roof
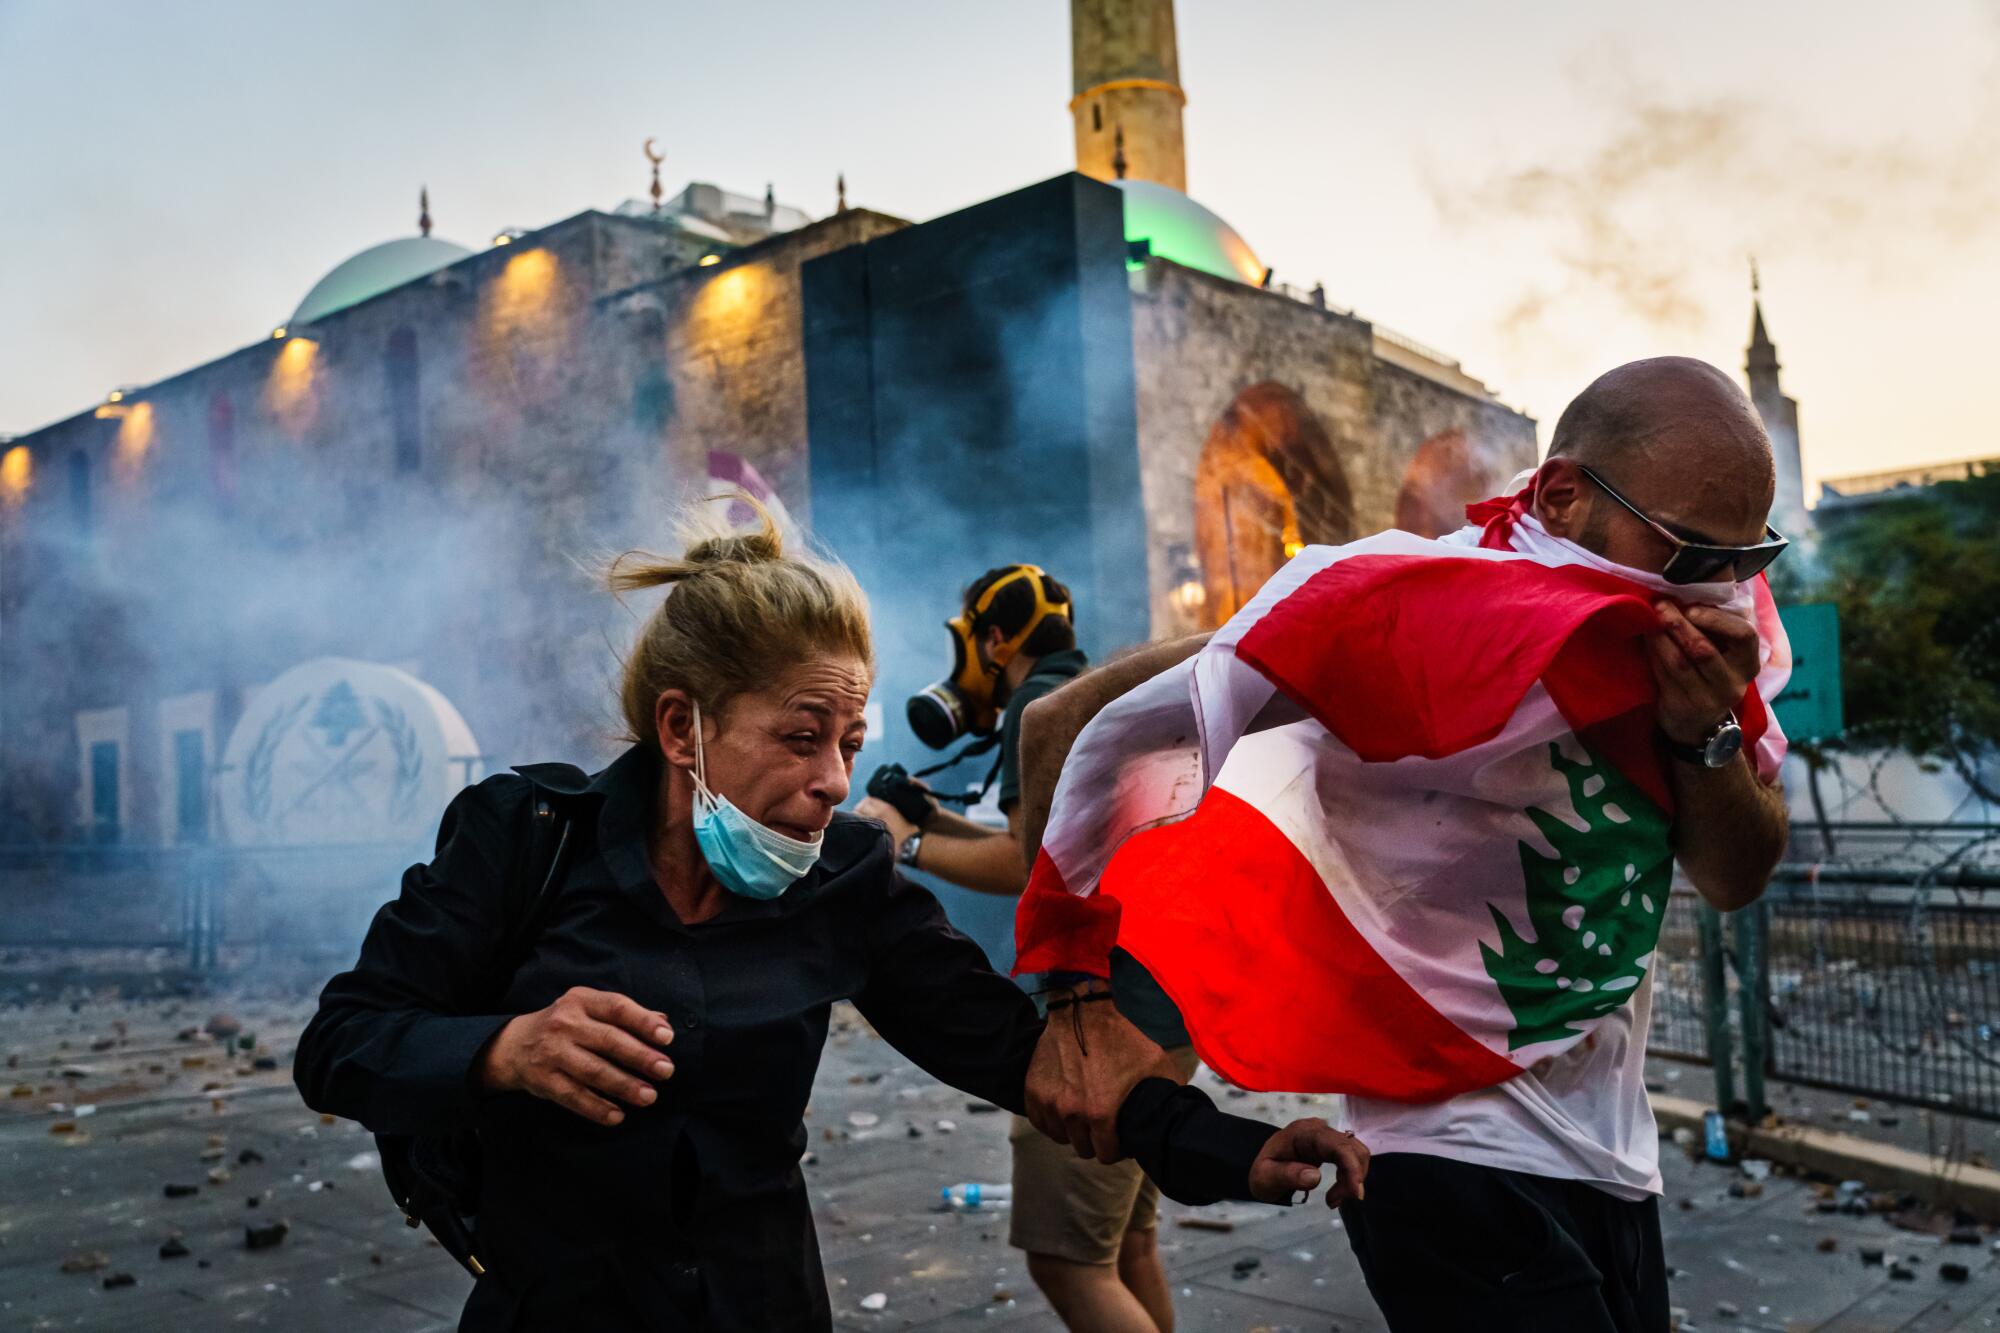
{"x": 1755, "y": 287}
{"x": 656, "y": 157}
{"x": 424, "y": 210}
{"x": 770, "y": 203}
{"x": 840, "y": 193}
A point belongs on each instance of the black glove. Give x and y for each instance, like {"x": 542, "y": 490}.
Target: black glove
{"x": 893, "y": 785}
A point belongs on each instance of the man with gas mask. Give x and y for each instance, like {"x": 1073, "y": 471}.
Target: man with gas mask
{"x": 1089, "y": 1229}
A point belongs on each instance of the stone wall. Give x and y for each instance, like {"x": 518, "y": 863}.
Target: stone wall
{"x": 253, "y": 512}
{"x": 1201, "y": 341}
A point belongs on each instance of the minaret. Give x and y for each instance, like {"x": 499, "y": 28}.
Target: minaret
{"x": 1128, "y": 80}
{"x": 1780, "y": 415}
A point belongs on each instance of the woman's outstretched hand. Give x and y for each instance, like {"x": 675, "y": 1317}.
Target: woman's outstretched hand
{"x": 1291, "y": 1160}
{"x": 586, "y": 1048}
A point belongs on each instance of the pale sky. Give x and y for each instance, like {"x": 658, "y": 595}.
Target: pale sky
{"x": 1541, "y": 189}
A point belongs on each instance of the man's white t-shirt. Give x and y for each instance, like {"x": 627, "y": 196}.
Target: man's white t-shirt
{"x": 1583, "y": 1115}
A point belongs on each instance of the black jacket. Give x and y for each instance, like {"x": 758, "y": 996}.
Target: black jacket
{"x": 692, "y": 1213}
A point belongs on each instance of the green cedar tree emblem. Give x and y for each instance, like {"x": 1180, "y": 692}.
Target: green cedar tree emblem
{"x": 1595, "y": 907}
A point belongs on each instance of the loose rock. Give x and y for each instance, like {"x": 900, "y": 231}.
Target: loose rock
{"x": 182, "y": 1191}
{"x": 265, "y": 1237}
{"x": 86, "y": 1261}
{"x": 173, "y": 1249}
{"x": 113, "y": 1281}
{"x": 1954, "y": 1272}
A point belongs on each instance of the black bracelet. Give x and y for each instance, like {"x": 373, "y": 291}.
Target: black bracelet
{"x": 1065, "y": 1001}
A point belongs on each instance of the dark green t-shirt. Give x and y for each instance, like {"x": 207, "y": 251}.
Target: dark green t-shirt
{"x": 1137, "y": 995}
{"x": 1051, "y": 672}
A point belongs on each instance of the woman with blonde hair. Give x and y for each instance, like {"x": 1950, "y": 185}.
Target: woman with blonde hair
{"x": 632, "y": 1078}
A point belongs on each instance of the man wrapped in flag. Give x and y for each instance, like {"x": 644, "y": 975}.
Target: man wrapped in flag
{"x": 1405, "y": 829}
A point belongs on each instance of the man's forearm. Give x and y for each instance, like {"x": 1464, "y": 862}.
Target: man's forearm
{"x": 954, "y": 825}
{"x": 1051, "y": 724}
{"x": 988, "y": 861}
{"x": 1729, "y": 830}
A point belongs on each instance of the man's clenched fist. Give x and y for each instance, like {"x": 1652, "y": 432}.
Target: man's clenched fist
{"x": 588, "y": 1046}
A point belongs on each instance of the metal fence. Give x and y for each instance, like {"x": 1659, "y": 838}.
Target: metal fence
{"x": 1877, "y": 973}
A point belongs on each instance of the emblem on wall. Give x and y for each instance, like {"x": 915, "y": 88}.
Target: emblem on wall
{"x": 339, "y": 751}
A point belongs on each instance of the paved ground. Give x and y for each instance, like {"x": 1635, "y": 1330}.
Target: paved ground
{"x": 170, "y": 1109}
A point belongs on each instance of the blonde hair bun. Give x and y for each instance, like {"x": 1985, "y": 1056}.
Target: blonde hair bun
{"x": 741, "y": 611}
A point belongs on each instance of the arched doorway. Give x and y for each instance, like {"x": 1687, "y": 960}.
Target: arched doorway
{"x": 1443, "y": 478}
{"x": 1267, "y": 483}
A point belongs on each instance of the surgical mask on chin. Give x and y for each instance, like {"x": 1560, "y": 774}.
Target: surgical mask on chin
{"x": 749, "y": 860}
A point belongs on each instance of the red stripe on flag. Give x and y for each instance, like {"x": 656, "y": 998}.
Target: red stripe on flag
{"x": 1056, "y": 931}
{"x": 1413, "y": 655}
{"x": 1278, "y": 988}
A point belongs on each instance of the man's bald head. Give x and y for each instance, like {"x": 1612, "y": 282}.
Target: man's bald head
{"x": 1677, "y": 438}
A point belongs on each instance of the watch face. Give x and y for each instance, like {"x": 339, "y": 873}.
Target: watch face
{"x": 1724, "y": 745}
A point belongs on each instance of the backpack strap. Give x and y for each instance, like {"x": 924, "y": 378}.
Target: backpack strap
{"x": 547, "y": 856}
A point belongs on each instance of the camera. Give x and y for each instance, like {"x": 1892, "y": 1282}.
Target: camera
{"x": 892, "y": 785}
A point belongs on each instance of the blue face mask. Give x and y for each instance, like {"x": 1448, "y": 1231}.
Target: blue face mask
{"x": 748, "y": 859}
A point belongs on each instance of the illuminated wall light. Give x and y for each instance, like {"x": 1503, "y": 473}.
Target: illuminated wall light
{"x": 288, "y": 390}
{"x": 278, "y": 332}
{"x": 710, "y": 260}
{"x": 17, "y": 472}
{"x": 1189, "y": 593}
{"x": 507, "y": 236}
{"x": 528, "y": 276}
{"x": 135, "y": 434}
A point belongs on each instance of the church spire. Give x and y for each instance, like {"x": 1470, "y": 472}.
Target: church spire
{"x": 1762, "y": 360}
{"x": 424, "y": 211}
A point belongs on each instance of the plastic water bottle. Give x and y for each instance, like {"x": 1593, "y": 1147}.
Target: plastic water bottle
{"x": 1717, "y": 1135}
{"x": 978, "y": 1196}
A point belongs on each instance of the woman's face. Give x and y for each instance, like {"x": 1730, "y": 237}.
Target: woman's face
{"x": 784, "y": 754}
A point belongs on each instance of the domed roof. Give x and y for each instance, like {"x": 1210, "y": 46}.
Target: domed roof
{"x": 1178, "y": 228}
{"x": 374, "y": 271}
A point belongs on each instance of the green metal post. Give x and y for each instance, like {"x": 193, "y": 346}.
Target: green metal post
{"x": 1749, "y": 927}
{"x": 1715, "y": 996}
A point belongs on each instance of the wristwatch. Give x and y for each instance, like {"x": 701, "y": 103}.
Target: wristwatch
{"x": 906, "y": 855}
{"x": 1722, "y": 744}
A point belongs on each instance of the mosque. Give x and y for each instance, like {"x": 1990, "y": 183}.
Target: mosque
{"x": 416, "y": 466}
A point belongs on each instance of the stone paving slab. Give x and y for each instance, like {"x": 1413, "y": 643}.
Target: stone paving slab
{"x": 350, "y": 1264}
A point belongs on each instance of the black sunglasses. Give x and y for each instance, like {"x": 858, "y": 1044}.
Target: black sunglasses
{"x": 1698, "y": 562}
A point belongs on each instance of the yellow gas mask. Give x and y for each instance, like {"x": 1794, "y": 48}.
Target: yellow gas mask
{"x": 969, "y": 700}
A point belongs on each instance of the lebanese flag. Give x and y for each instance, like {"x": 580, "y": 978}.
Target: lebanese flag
{"x": 1401, "y": 828}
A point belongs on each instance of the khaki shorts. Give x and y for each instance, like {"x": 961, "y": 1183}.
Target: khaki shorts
{"x": 1075, "y": 1208}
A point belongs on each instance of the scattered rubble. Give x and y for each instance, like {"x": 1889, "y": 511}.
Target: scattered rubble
{"x": 265, "y": 1237}
{"x": 1195, "y": 1222}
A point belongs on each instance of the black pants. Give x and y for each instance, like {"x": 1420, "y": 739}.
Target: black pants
{"x": 1446, "y": 1245}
